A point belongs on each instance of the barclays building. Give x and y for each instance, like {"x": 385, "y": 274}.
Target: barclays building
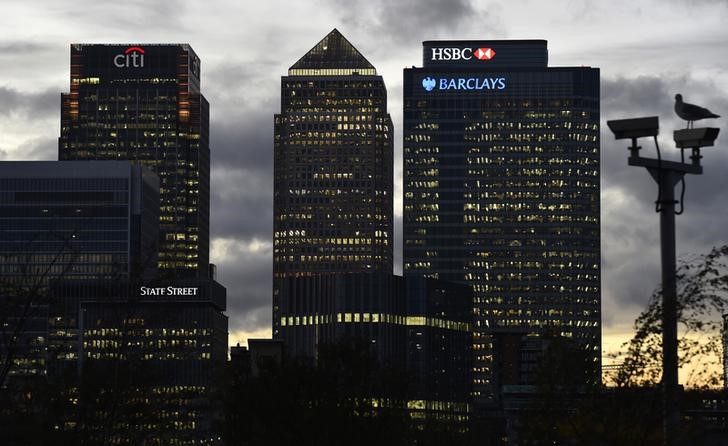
{"x": 501, "y": 191}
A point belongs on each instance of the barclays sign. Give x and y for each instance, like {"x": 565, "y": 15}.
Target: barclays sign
{"x": 463, "y": 83}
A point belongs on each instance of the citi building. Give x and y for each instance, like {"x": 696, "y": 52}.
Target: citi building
{"x": 143, "y": 103}
{"x": 501, "y": 190}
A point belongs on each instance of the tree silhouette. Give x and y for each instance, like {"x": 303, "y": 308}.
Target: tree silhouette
{"x": 629, "y": 410}
{"x": 702, "y": 299}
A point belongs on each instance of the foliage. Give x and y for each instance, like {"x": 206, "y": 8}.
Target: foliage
{"x": 702, "y": 299}
{"x": 629, "y": 410}
{"x": 344, "y": 396}
{"x": 565, "y": 409}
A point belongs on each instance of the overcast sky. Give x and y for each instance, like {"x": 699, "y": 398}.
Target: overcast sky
{"x": 647, "y": 51}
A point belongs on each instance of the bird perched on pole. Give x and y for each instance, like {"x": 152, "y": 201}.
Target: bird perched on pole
{"x": 690, "y": 112}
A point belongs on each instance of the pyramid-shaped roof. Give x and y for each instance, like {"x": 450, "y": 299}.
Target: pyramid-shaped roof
{"x": 333, "y": 55}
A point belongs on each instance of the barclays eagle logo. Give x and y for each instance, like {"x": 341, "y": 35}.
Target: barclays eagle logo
{"x": 428, "y": 83}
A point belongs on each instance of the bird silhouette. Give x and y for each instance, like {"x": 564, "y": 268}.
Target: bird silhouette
{"x": 690, "y": 112}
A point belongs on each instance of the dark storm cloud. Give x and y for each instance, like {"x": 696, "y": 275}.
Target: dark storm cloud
{"x": 630, "y": 227}
{"x": 245, "y": 79}
{"x": 242, "y": 203}
{"x": 723, "y": 3}
{"x": 34, "y": 104}
{"x": 18, "y": 48}
{"x": 242, "y": 171}
{"x": 247, "y": 275}
{"x": 37, "y": 149}
{"x": 244, "y": 98}
{"x": 651, "y": 96}
{"x": 10, "y": 99}
{"x": 243, "y": 138}
{"x": 129, "y": 15}
{"x": 414, "y": 20}
{"x": 397, "y": 244}
{"x": 644, "y": 95}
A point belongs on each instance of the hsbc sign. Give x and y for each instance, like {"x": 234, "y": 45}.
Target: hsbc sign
{"x": 454, "y": 53}
{"x": 132, "y": 57}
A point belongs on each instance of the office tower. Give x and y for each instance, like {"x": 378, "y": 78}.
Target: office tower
{"x": 332, "y": 169}
{"x": 246, "y": 363}
{"x": 501, "y": 189}
{"x": 518, "y": 356}
{"x": 439, "y": 349}
{"x": 143, "y": 103}
{"x": 149, "y": 357}
{"x": 327, "y": 308}
{"x": 79, "y": 220}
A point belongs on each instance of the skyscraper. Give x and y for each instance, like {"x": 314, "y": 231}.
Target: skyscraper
{"x": 77, "y": 220}
{"x": 501, "y": 189}
{"x": 82, "y": 307}
{"x": 147, "y": 357}
{"x": 67, "y": 220}
{"x": 333, "y": 169}
{"x": 439, "y": 348}
{"x": 143, "y": 103}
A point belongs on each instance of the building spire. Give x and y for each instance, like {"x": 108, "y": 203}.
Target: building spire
{"x": 333, "y": 55}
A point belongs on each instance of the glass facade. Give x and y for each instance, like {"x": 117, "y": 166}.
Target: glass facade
{"x": 149, "y": 361}
{"x": 501, "y": 189}
{"x": 143, "y": 103}
{"x": 333, "y": 168}
{"x": 69, "y": 220}
{"x": 439, "y": 347}
{"x": 326, "y": 308}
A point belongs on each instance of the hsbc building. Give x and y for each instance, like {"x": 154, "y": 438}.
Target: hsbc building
{"x": 501, "y": 192}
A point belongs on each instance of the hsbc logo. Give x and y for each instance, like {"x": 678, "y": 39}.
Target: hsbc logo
{"x": 462, "y": 53}
{"x": 484, "y": 53}
{"x": 133, "y": 57}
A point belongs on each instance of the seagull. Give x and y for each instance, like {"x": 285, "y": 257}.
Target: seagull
{"x": 690, "y": 112}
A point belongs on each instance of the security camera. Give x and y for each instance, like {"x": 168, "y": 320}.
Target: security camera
{"x": 634, "y": 128}
{"x": 695, "y": 138}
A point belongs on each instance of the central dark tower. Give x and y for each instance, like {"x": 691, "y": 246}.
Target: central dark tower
{"x": 143, "y": 103}
{"x": 333, "y": 168}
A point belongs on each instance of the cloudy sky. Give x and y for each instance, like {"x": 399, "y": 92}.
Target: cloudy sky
{"x": 647, "y": 51}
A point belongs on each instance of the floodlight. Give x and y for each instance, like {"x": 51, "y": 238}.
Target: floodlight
{"x": 634, "y": 128}
{"x": 695, "y": 138}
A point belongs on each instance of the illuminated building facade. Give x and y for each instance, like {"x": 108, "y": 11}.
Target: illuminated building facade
{"x": 327, "y": 308}
{"x": 501, "y": 189}
{"x": 439, "y": 348}
{"x": 149, "y": 356}
{"x": 143, "y": 103}
{"x": 81, "y": 220}
{"x": 420, "y": 325}
{"x": 333, "y": 159}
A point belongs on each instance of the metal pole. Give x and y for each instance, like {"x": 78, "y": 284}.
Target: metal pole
{"x": 667, "y": 174}
{"x": 668, "y": 179}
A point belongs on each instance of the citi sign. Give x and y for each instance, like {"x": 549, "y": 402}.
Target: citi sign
{"x": 462, "y": 53}
{"x": 133, "y": 57}
{"x": 464, "y": 83}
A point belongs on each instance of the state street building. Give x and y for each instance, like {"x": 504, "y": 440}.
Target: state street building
{"x": 501, "y": 190}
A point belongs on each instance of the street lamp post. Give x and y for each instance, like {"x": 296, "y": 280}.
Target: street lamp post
{"x": 667, "y": 174}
